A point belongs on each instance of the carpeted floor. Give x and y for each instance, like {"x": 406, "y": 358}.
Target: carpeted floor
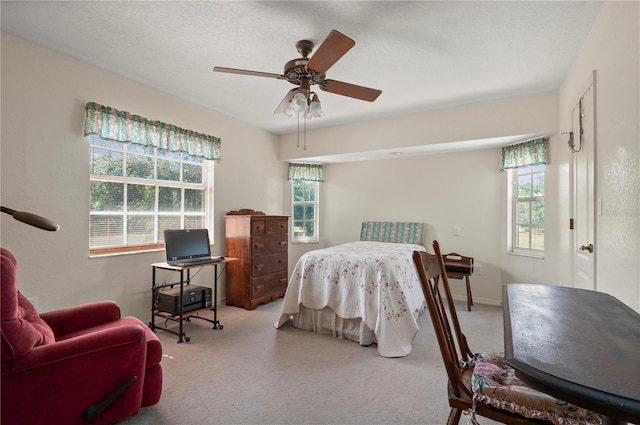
{"x": 251, "y": 373}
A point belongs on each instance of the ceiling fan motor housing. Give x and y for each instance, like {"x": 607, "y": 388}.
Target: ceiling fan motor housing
{"x": 296, "y": 69}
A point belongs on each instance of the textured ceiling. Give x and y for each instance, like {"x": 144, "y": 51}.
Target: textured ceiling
{"x": 422, "y": 55}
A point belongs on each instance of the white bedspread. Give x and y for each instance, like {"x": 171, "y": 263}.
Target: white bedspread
{"x": 374, "y": 281}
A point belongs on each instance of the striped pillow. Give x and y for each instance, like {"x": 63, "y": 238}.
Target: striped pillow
{"x": 391, "y": 231}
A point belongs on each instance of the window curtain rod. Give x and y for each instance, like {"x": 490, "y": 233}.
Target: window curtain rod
{"x": 121, "y": 126}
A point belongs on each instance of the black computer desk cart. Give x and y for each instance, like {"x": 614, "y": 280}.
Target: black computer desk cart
{"x": 185, "y": 279}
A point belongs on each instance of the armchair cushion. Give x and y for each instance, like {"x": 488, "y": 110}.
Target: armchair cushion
{"x": 22, "y": 327}
{"x": 154, "y": 348}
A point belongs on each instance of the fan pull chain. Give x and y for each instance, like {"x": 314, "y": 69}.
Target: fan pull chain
{"x": 298, "y": 145}
{"x": 305, "y": 132}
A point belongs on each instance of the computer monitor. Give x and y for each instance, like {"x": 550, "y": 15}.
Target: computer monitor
{"x": 187, "y": 245}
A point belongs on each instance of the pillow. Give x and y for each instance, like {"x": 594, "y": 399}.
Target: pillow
{"x": 22, "y": 327}
{"x": 391, "y": 231}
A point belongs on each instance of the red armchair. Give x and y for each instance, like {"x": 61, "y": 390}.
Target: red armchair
{"x": 78, "y": 365}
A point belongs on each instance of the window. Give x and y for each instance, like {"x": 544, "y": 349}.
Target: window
{"x": 305, "y": 211}
{"x": 528, "y": 209}
{"x": 137, "y": 192}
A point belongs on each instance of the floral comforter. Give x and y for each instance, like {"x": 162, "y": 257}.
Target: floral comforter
{"x": 374, "y": 281}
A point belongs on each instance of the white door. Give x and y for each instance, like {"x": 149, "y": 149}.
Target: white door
{"x": 583, "y": 176}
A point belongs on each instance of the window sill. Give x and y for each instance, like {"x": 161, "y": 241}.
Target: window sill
{"x": 527, "y": 254}
{"x": 115, "y": 253}
{"x": 306, "y": 241}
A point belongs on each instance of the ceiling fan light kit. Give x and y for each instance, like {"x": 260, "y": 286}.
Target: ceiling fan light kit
{"x": 303, "y": 105}
{"x": 315, "y": 109}
{"x": 297, "y": 105}
{"x": 305, "y": 72}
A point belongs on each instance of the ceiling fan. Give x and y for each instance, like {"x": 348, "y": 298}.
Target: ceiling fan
{"x": 304, "y": 71}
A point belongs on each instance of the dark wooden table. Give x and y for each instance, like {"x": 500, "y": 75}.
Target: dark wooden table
{"x": 579, "y": 346}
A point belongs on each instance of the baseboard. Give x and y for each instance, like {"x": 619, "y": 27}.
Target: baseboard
{"x": 476, "y": 300}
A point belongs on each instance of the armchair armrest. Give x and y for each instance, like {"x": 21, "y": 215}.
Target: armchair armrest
{"x": 77, "y": 318}
{"x": 125, "y": 340}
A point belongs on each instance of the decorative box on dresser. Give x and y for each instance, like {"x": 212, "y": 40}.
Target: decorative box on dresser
{"x": 260, "y": 242}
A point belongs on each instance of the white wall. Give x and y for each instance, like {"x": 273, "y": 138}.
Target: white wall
{"x": 499, "y": 118}
{"x": 45, "y": 170}
{"x": 612, "y": 49}
{"x": 464, "y": 189}
{"x": 444, "y": 190}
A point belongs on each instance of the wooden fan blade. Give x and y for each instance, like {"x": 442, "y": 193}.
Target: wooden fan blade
{"x": 287, "y": 99}
{"x": 332, "y": 48}
{"x": 351, "y": 90}
{"x": 245, "y": 72}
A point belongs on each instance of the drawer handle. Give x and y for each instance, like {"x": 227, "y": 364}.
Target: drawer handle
{"x": 259, "y": 266}
{"x": 259, "y": 245}
{"x": 283, "y": 243}
{"x": 283, "y": 280}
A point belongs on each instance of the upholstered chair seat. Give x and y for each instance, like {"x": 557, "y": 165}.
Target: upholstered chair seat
{"x": 494, "y": 383}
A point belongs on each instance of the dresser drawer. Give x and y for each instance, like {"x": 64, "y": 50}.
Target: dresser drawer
{"x": 258, "y": 227}
{"x": 264, "y": 245}
{"x": 274, "y": 284}
{"x": 268, "y": 264}
{"x": 277, "y": 226}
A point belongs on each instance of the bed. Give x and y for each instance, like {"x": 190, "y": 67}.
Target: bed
{"x": 366, "y": 291}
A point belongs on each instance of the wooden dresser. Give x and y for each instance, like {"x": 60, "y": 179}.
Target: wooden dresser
{"x": 261, "y": 244}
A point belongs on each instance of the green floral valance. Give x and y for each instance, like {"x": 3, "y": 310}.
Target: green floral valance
{"x": 532, "y": 152}
{"x": 121, "y": 126}
{"x": 308, "y": 172}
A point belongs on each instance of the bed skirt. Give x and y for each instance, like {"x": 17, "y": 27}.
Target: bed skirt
{"x": 327, "y": 322}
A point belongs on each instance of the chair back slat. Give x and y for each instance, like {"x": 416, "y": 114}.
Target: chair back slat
{"x": 462, "y": 339}
{"x": 453, "y": 345}
{"x": 442, "y": 311}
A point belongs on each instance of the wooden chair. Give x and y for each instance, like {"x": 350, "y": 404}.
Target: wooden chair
{"x": 460, "y": 267}
{"x": 465, "y": 369}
